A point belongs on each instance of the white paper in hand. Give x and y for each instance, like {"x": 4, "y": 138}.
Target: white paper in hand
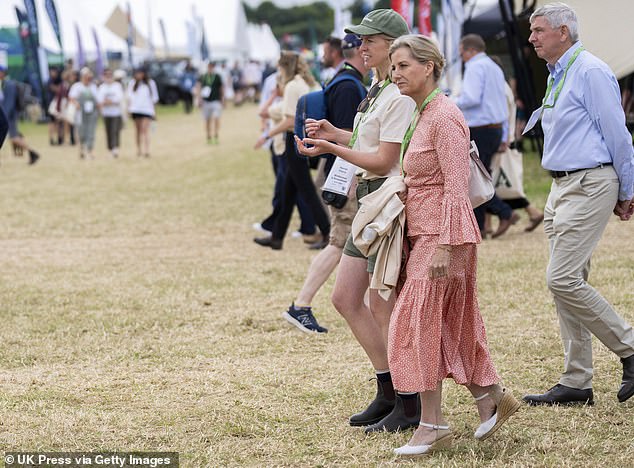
{"x": 340, "y": 177}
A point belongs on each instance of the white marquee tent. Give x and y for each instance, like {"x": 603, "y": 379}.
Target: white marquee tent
{"x": 605, "y": 28}
{"x": 225, "y": 25}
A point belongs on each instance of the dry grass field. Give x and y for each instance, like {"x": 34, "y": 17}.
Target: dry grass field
{"x": 136, "y": 313}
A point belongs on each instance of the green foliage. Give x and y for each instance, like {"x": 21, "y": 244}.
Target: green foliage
{"x": 311, "y": 23}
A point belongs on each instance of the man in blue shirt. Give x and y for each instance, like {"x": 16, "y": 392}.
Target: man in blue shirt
{"x": 589, "y": 154}
{"x": 482, "y": 100}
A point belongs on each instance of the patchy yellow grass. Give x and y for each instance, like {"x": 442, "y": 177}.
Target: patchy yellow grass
{"x": 137, "y": 314}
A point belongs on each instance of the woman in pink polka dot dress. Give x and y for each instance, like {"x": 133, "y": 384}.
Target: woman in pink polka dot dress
{"x": 436, "y": 330}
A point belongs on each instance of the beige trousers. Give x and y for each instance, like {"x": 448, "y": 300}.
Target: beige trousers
{"x": 577, "y": 211}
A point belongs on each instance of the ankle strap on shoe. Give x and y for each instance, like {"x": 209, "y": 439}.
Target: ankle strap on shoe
{"x": 436, "y": 427}
{"x": 482, "y": 397}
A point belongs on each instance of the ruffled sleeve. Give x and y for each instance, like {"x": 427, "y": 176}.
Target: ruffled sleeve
{"x": 457, "y": 222}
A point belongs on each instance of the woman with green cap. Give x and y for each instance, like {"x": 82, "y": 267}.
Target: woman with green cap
{"x": 373, "y": 146}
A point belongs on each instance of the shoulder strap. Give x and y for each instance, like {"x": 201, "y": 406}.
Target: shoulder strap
{"x": 346, "y": 76}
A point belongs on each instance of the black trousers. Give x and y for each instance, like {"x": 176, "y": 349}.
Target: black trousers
{"x": 488, "y": 140}
{"x": 298, "y": 180}
{"x": 188, "y": 101}
{"x": 113, "y": 129}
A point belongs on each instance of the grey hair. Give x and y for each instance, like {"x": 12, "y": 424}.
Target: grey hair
{"x": 559, "y": 14}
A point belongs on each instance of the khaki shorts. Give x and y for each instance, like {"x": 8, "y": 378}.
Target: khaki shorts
{"x": 341, "y": 222}
{"x": 212, "y": 109}
{"x": 364, "y": 187}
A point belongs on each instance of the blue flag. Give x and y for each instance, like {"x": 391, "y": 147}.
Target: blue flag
{"x": 99, "y": 61}
{"x": 52, "y": 16}
{"x": 29, "y": 48}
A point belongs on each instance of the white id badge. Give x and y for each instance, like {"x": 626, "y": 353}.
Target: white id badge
{"x": 535, "y": 116}
{"x": 340, "y": 177}
{"x": 89, "y": 106}
{"x": 205, "y": 92}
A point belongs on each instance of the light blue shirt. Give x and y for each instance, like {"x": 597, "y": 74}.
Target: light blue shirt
{"x": 587, "y": 125}
{"x": 482, "y": 99}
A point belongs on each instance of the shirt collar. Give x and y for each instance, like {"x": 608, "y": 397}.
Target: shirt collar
{"x": 475, "y": 58}
{"x": 563, "y": 60}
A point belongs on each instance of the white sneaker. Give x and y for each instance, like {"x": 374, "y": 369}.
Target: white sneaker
{"x": 258, "y": 227}
{"x": 296, "y": 234}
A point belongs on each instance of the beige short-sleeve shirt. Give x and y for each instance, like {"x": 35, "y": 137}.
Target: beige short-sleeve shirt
{"x": 293, "y": 90}
{"x": 386, "y": 120}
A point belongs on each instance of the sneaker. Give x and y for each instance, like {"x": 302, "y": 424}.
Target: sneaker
{"x": 296, "y": 234}
{"x": 258, "y": 227}
{"x": 303, "y": 318}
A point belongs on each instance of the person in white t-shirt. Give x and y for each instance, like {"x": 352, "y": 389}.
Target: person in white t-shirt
{"x": 110, "y": 96}
{"x": 142, "y": 95}
{"x": 83, "y": 94}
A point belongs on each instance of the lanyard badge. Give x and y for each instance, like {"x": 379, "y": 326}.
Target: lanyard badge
{"x": 413, "y": 123}
{"x": 537, "y": 114}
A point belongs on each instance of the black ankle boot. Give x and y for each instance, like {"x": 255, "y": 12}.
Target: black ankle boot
{"x": 379, "y": 408}
{"x": 627, "y": 385}
{"x": 406, "y": 414}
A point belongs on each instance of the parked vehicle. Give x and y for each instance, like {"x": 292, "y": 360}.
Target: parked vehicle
{"x": 166, "y": 73}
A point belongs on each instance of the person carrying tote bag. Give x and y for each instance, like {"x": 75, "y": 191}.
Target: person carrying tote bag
{"x": 507, "y": 170}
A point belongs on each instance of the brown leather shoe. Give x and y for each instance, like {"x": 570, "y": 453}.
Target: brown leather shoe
{"x": 505, "y": 224}
{"x": 534, "y": 222}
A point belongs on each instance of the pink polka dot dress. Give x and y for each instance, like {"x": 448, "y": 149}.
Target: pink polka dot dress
{"x": 436, "y": 330}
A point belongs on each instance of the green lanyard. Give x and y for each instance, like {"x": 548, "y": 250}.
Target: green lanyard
{"x": 561, "y": 83}
{"x": 412, "y": 125}
{"x": 355, "y": 132}
{"x": 210, "y": 79}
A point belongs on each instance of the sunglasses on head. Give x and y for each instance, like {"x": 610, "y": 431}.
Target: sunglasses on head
{"x": 365, "y": 104}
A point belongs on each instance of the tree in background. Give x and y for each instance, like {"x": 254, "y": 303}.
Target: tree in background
{"x": 310, "y": 23}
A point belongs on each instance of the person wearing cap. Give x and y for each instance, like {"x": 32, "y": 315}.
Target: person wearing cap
{"x": 110, "y": 97}
{"x": 9, "y": 102}
{"x": 142, "y": 95}
{"x": 342, "y": 100}
{"x": 83, "y": 94}
{"x": 373, "y": 146}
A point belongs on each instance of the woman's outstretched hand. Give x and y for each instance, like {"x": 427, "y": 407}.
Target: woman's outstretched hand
{"x": 318, "y": 147}
{"x": 321, "y": 129}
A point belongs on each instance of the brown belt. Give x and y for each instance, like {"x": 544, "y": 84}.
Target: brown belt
{"x": 497, "y": 125}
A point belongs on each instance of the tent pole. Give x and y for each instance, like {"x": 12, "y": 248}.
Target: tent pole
{"x": 525, "y": 84}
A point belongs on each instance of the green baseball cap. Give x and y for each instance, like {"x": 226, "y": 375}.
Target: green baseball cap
{"x": 382, "y": 21}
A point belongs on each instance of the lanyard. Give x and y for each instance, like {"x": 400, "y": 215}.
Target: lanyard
{"x": 355, "y": 132}
{"x": 412, "y": 125}
{"x": 210, "y": 79}
{"x": 561, "y": 83}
